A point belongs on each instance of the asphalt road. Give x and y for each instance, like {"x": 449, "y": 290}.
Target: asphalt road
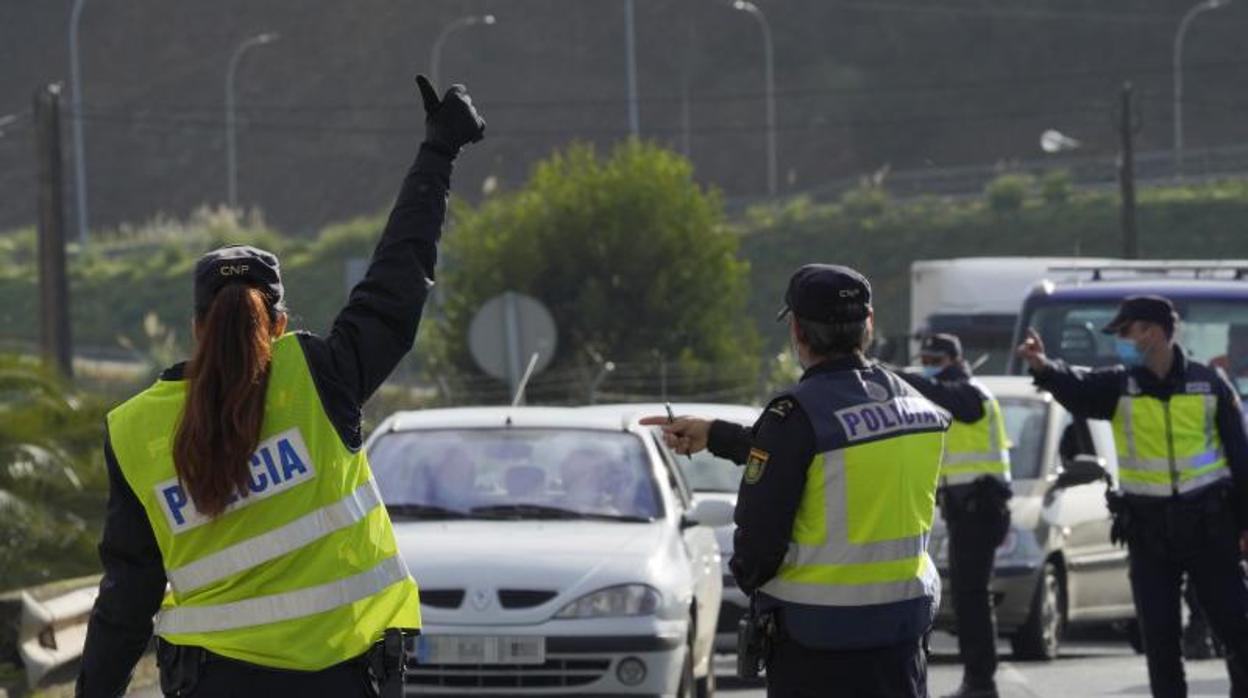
{"x": 1086, "y": 668}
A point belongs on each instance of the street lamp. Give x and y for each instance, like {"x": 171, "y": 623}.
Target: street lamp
{"x": 769, "y": 78}
{"x": 80, "y": 155}
{"x": 1200, "y": 7}
{"x": 231, "y": 147}
{"x": 630, "y": 65}
{"x": 435, "y": 54}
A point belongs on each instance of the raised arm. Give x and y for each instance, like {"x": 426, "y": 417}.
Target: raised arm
{"x": 378, "y": 325}
{"x": 1088, "y": 394}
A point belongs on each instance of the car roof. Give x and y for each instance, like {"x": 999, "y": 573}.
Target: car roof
{"x": 1013, "y": 387}
{"x": 499, "y": 417}
{"x": 744, "y": 414}
{"x": 1174, "y": 288}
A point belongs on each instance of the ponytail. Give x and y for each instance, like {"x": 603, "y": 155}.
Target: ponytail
{"x": 227, "y": 377}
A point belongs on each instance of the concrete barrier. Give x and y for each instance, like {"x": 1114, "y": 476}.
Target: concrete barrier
{"x": 53, "y": 632}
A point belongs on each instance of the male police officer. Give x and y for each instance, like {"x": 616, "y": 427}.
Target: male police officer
{"x": 1183, "y": 471}
{"x": 974, "y": 489}
{"x": 836, "y": 504}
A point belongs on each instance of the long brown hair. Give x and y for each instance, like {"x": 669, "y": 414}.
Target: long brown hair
{"x": 227, "y": 377}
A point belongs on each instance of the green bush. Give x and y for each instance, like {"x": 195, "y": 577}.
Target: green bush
{"x": 1008, "y": 193}
{"x": 1056, "y": 187}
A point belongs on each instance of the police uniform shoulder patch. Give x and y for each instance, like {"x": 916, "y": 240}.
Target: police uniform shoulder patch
{"x": 755, "y": 465}
{"x": 781, "y": 407}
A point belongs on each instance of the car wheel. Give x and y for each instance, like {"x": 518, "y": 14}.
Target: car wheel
{"x": 1040, "y": 637}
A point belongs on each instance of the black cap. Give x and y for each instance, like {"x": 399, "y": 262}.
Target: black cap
{"x": 237, "y": 264}
{"x": 827, "y": 293}
{"x": 1153, "y": 309}
{"x": 941, "y": 345}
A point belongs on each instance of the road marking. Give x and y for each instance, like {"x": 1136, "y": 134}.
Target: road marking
{"x": 1015, "y": 677}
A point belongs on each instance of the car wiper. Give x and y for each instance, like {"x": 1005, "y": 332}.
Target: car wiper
{"x": 425, "y": 512}
{"x": 542, "y": 511}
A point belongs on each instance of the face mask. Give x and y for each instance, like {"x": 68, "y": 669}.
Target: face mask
{"x": 932, "y": 371}
{"x": 1129, "y": 352}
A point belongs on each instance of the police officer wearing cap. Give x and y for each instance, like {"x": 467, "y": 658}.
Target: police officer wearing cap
{"x": 974, "y": 491}
{"x": 1183, "y": 476}
{"x": 835, "y": 506}
{"x": 238, "y": 480}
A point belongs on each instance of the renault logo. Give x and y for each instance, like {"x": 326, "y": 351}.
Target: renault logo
{"x": 480, "y": 599}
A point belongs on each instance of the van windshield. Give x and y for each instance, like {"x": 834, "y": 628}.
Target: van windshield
{"x": 1213, "y": 332}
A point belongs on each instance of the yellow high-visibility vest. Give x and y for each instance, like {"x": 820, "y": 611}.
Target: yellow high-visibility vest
{"x": 861, "y": 531}
{"x": 977, "y": 449}
{"x": 302, "y": 570}
{"x": 1168, "y": 447}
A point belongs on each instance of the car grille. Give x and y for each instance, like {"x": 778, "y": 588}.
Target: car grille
{"x": 442, "y": 598}
{"x": 524, "y": 598}
{"x": 555, "y": 673}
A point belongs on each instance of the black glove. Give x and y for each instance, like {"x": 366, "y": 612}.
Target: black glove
{"x": 451, "y": 122}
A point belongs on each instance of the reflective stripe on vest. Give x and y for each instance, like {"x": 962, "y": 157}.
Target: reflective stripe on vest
{"x": 861, "y": 533}
{"x": 978, "y": 449}
{"x": 1168, "y": 447}
{"x": 276, "y": 543}
{"x": 301, "y": 571}
{"x": 263, "y": 610}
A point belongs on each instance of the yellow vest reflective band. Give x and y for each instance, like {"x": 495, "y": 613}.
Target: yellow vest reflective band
{"x": 1168, "y": 447}
{"x": 300, "y": 573}
{"x": 977, "y": 449}
{"x": 861, "y": 532}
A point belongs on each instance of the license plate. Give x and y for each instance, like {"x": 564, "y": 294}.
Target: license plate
{"x": 480, "y": 649}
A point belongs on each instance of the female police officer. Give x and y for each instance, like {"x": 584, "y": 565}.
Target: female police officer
{"x": 238, "y": 477}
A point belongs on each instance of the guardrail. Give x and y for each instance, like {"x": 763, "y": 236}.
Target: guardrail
{"x": 45, "y": 627}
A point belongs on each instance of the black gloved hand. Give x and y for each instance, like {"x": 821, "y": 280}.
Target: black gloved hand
{"x": 450, "y": 122}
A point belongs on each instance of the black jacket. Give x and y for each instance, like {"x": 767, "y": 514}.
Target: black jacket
{"x": 368, "y": 339}
{"x": 1094, "y": 394}
{"x": 952, "y": 390}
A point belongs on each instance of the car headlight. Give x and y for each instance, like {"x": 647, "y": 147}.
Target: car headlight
{"x": 623, "y": 600}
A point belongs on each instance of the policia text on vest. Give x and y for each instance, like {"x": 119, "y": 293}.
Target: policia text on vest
{"x": 836, "y": 505}
{"x": 296, "y": 587}
{"x": 1183, "y": 475}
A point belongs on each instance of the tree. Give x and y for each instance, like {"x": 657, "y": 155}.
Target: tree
{"x": 634, "y": 261}
{"x": 52, "y": 478}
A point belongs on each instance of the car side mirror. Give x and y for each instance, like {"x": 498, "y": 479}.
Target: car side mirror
{"x": 1083, "y": 469}
{"x": 710, "y": 512}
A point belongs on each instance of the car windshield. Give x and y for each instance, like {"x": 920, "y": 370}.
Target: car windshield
{"x": 1212, "y": 331}
{"x": 1025, "y": 425}
{"x": 708, "y": 473}
{"x": 515, "y": 474}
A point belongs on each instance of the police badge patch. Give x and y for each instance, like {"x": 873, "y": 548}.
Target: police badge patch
{"x": 755, "y": 464}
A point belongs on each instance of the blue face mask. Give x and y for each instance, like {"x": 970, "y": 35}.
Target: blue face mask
{"x": 932, "y": 371}
{"x": 1128, "y": 352}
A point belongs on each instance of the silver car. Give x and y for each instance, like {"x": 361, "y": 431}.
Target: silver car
{"x": 1056, "y": 566}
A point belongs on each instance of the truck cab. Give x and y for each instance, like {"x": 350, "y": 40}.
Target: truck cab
{"x": 1211, "y": 299}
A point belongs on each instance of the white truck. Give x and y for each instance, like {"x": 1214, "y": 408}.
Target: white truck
{"x": 978, "y": 299}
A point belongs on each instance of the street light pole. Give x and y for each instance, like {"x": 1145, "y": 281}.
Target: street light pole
{"x": 769, "y": 77}
{"x": 435, "y": 54}
{"x": 80, "y": 155}
{"x": 1179, "y": 36}
{"x": 231, "y": 146}
{"x": 630, "y": 61}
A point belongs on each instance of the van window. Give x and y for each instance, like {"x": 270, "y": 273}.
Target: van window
{"x": 1212, "y": 331}
{"x": 1026, "y": 422}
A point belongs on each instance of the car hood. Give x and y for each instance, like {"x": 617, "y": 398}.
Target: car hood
{"x": 568, "y": 558}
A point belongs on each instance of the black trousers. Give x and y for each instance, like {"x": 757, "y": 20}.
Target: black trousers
{"x": 1200, "y": 538}
{"x": 794, "y": 671}
{"x": 974, "y": 534}
{"x": 229, "y": 679}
